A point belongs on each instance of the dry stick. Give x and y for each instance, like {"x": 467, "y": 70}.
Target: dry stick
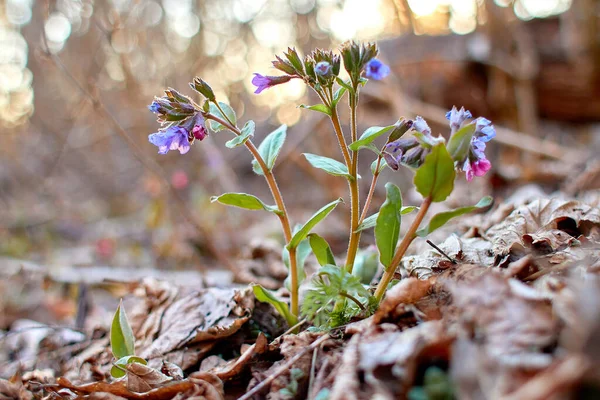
{"x": 149, "y": 164}
{"x": 452, "y": 260}
{"x": 284, "y": 367}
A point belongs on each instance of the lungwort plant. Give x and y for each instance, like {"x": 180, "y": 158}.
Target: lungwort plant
{"x": 338, "y": 291}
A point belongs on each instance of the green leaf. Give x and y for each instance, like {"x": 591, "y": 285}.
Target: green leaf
{"x": 370, "y": 221}
{"x": 244, "y": 200}
{"x": 435, "y": 178}
{"x": 337, "y": 96}
{"x": 269, "y": 149}
{"x": 366, "y": 265}
{"x": 121, "y": 336}
{"x": 247, "y": 133}
{"x": 459, "y": 143}
{"x": 329, "y": 165}
{"x": 382, "y": 165}
{"x": 117, "y": 372}
{"x": 321, "y": 249}
{"x": 369, "y": 135}
{"x": 302, "y": 252}
{"x": 229, "y": 113}
{"x": 317, "y": 107}
{"x": 439, "y": 220}
{"x": 312, "y": 222}
{"x": 387, "y": 226}
{"x": 282, "y": 308}
{"x": 344, "y": 84}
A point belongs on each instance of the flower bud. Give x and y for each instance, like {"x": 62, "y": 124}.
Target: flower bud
{"x": 203, "y": 88}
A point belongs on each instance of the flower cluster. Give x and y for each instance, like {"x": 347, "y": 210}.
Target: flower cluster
{"x": 181, "y": 122}
{"x": 475, "y": 162}
{"x": 411, "y": 150}
{"x": 321, "y": 68}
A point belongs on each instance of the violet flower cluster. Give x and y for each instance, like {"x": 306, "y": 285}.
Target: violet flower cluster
{"x": 411, "y": 149}
{"x": 475, "y": 162}
{"x": 182, "y": 123}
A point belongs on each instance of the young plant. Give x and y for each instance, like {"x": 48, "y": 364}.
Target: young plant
{"x": 337, "y": 292}
{"x": 122, "y": 343}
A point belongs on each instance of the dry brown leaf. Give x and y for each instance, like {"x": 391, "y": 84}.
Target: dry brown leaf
{"x": 233, "y": 368}
{"x": 544, "y": 225}
{"x": 406, "y": 292}
{"x": 16, "y": 390}
{"x": 388, "y": 359}
{"x": 141, "y": 378}
{"x": 513, "y": 323}
{"x": 260, "y": 263}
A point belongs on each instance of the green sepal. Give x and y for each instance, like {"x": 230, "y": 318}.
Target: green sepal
{"x": 329, "y": 165}
{"x": 387, "y": 226}
{"x": 312, "y": 222}
{"x": 269, "y": 149}
{"x": 440, "y": 219}
{"x": 246, "y": 133}
{"x": 435, "y": 178}
{"x": 282, "y": 308}
{"x": 245, "y": 201}
{"x": 229, "y": 114}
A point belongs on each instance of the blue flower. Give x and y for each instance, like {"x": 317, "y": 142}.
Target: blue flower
{"x": 154, "y": 107}
{"x": 172, "y": 138}
{"x": 264, "y": 82}
{"x": 484, "y": 130}
{"x": 377, "y": 70}
{"x": 323, "y": 68}
{"x": 420, "y": 125}
{"x": 457, "y": 117}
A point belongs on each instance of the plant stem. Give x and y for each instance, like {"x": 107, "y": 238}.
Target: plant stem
{"x": 406, "y": 241}
{"x": 365, "y": 210}
{"x": 354, "y": 299}
{"x": 354, "y": 200}
{"x": 277, "y": 196}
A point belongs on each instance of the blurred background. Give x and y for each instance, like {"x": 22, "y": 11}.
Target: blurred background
{"x": 81, "y": 188}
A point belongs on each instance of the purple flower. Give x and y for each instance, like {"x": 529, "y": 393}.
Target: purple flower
{"x": 457, "y": 117}
{"x": 377, "y": 70}
{"x": 484, "y": 130}
{"x": 264, "y": 82}
{"x": 154, "y": 107}
{"x": 420, "y": 125}
{"x": 199, "y": 130}
{"x": 396, "y": 152}
{"x": 172, "y": 138}
{"x": 323, "y": 68}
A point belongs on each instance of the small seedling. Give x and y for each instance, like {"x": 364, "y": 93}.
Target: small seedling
{"x": 338, "y": 292}
{"x": 122, "y": 343}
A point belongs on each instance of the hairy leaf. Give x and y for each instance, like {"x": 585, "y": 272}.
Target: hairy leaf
{"x": 269, "y": 149}
{"x": 459, "y": 143}
{"x": 321, "y": 249}
{"x": 440, "y": 219}
{"x": 121, "y": 336}
{"x": 317, "y": 107}
{"x": 370, "y": 135}
{"x": 282, "y": 308}
{"x": 312, "y": 222}
{"x": 229, "y": 113}
{"x": 244, "y": 200}
{"x": 370, "y": 221}
{"x": 435, "y": 178}
{"x": 387, "y": 226}
{"x": 329, "y": 165}
{"x": 247, "y": 133}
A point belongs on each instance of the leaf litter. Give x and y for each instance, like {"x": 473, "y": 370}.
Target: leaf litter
{"x": 508, "y": 309}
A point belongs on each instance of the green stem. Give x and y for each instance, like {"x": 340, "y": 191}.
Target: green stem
{"x": 277, "y": 196}
{"x": 365, "y": 210}
{"x": 354, "y": 199}
{"x": 406, "y": 241}
{"x": 354, "y": 299}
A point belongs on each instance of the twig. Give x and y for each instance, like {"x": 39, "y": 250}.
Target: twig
{"x": 284, "y": 368}
{"x": 452, "y": 260}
